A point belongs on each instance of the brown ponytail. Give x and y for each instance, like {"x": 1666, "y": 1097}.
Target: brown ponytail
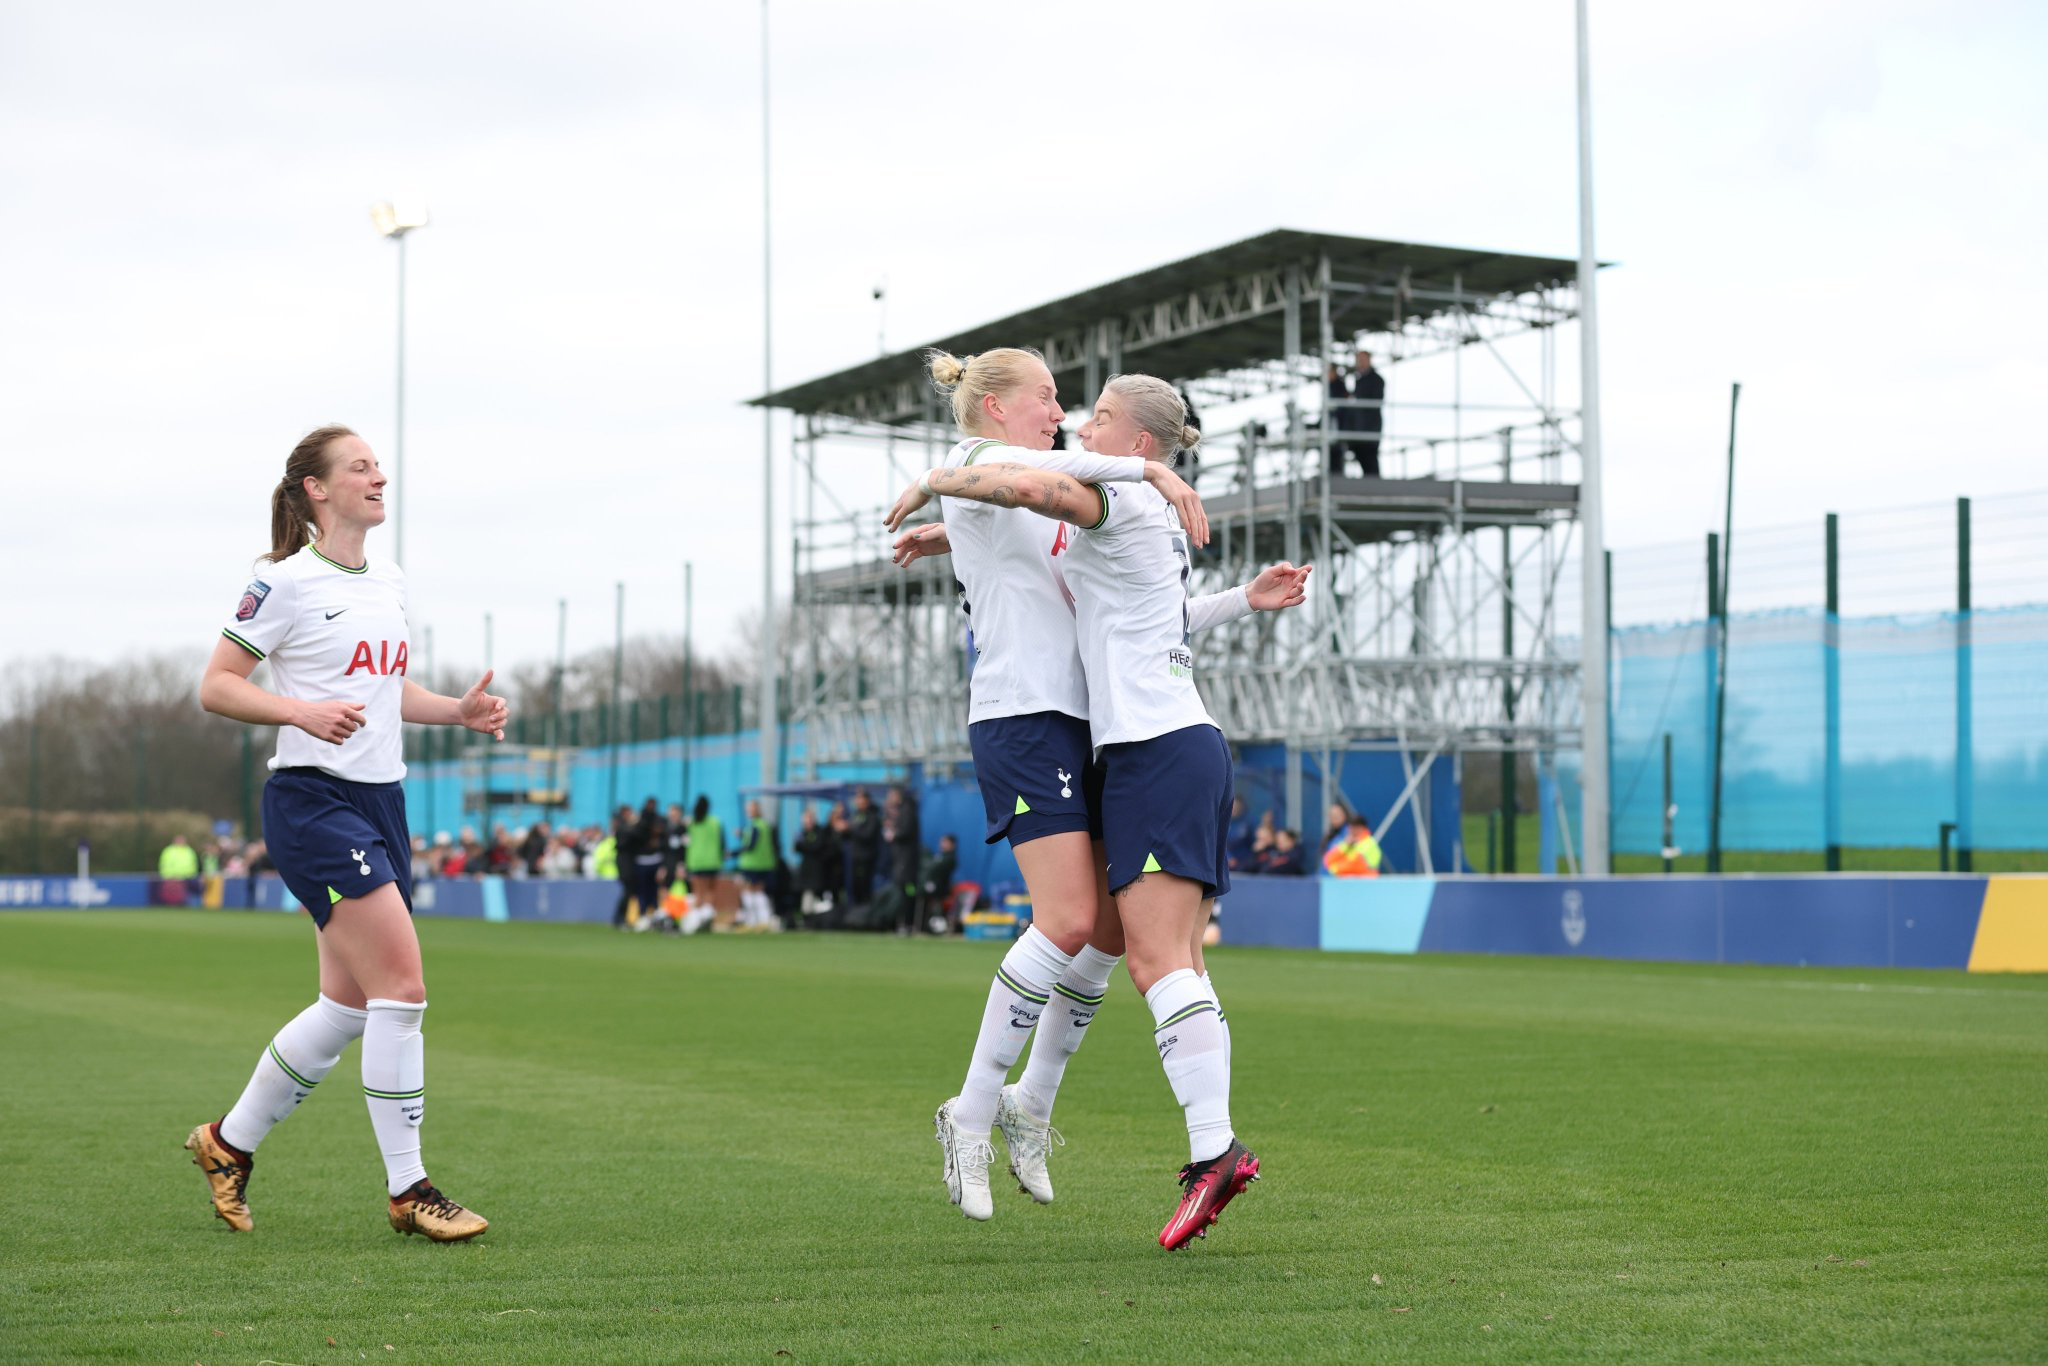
{"x": 291, "y": 512}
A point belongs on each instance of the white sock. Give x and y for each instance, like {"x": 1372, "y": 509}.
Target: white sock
{"x": 395, "y": 1087}
{"x": 1024, "y": 980}
{"x": 1075, "y": 999}
{"x": 303, "y": 1052}
{"x": 1222, "y": 1019}
{"x": 1191, "y": 1049}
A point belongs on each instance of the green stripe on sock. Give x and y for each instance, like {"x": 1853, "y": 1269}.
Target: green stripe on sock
{"x": 1011, "y": 983}
{"x": 1179, "y": 1015}
{"x": 278, "y": 1058}
{"x": 1063, "y": 989}
{"x": 395, "y": 1095}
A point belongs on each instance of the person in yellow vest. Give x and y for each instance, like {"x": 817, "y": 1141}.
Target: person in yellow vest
{"x": 604, "y": 859}
{"x": 177, "y": 869}
{"x": 757, "y": 857}
{"x": 704, "y": 860}
{"x": 1353, "y": 852}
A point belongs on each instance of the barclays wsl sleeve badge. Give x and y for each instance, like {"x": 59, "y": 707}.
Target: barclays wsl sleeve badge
{"x": 252, "y": 600}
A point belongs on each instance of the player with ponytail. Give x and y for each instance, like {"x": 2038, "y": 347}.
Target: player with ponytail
{"x": 331, "y": 624}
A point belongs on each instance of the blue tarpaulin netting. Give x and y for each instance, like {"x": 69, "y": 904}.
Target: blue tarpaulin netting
{"x": 1909, "y": 758}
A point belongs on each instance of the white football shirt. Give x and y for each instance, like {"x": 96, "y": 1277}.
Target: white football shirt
{"x": 1007, "y": 562}
{"x": 331, "y": 633}
{"x": 1130, "y": 578}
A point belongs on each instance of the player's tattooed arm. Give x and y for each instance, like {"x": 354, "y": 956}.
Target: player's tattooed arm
{"x": 1010, "y": 485}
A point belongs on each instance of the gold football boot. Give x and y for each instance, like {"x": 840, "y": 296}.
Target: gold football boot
{"x": 425, "y": 1210}
{"x": 227, "y": 1176}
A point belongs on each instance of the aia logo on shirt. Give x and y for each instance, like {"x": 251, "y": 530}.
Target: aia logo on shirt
{"x": 382, "y": 662}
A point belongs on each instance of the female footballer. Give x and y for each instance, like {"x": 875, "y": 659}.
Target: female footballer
{"x": 331, "y": 622}
{"x": 1027, "y": 726}
{"x": 1165, "y": 769}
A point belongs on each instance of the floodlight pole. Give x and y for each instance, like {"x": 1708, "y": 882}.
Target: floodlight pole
{"x": 398, "y": 436}
{"x": 689, "y": 695}
{"x": 770, "y": 730}
{"x": 1594, "y": 808}
{"x": 396, "y": 222}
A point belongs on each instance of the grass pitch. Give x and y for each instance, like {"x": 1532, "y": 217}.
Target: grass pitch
{"x": 720, "y": 1148}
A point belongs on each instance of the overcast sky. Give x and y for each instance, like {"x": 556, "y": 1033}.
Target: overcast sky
{"x": 1839, "y": 204}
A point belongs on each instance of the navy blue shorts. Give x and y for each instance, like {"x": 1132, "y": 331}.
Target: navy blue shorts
{"x": 1037, "y": 776}
{"x": 333, "y": 838}
{"x": 1166, "y": 808}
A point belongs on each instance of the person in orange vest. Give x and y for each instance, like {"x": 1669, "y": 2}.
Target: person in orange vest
{"x": 1353, "y": 852}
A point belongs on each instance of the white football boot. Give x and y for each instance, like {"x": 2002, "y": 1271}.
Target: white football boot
{"x": 1030, "y": 1141}
{"x": 967, "y": 1162}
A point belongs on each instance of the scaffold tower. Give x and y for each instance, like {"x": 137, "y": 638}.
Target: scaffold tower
{"x": 1435, "y": 625}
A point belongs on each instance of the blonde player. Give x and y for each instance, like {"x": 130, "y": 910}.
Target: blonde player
{"x": 1166, "y": 772}
{"x": 331, "y": 622}
{"x": 1027, "y": 724}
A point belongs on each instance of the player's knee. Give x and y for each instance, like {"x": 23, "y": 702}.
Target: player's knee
{"x": 1147, "y": 968}
{"x": 1068, "y": 938}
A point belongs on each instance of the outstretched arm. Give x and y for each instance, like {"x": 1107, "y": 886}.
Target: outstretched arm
{"x": 1084, "y": 467}
{"x": 1007, "y": 485}
{"x": 1277, "y": 587}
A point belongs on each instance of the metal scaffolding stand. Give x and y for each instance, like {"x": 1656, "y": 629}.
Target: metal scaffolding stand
{"x": 1433, "y": 623}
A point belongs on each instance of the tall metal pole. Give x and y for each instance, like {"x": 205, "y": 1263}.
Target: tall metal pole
{"x": 1594, "y": 776}
{"x": 561, "y": 679}
{"x": 770, "y": 728}
{"x": 35, "y": 794}
{"x": 433, "y": 777}
{"x": 1721, "y": 660}
{"x": 611, "y": 727}
{"x": 398, "y": 440}
{"x": 689, "y": 707}
{"x": 1831, "y": 768}
{"x": 1966, "y": 772}
{"x": 489, "y": 753}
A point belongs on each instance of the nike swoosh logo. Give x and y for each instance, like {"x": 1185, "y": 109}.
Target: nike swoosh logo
{"x": 332, "y": 615}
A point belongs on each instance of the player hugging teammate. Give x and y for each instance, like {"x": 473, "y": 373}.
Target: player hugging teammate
{"x": 1093, "y": 624}
{"x": 331, "y": 623}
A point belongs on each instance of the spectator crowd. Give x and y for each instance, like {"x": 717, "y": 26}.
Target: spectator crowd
{"x": 857, "y": 865}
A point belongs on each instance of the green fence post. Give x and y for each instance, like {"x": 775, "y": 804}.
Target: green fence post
{"x": 35, "y": 795}
{"x": 1715, "y": 607}
{"x": 1966, "y": 769}
{"x": 1831, "y": 660}
{"x": 1670, "y": 808}
{"x": 141, "y": 795}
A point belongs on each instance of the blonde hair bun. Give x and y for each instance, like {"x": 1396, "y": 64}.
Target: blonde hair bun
{"x": 1189, "y": 436}
{"x": 971, "y": 379}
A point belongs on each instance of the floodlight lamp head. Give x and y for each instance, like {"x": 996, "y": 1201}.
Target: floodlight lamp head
{"x": 396, "y": 220}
